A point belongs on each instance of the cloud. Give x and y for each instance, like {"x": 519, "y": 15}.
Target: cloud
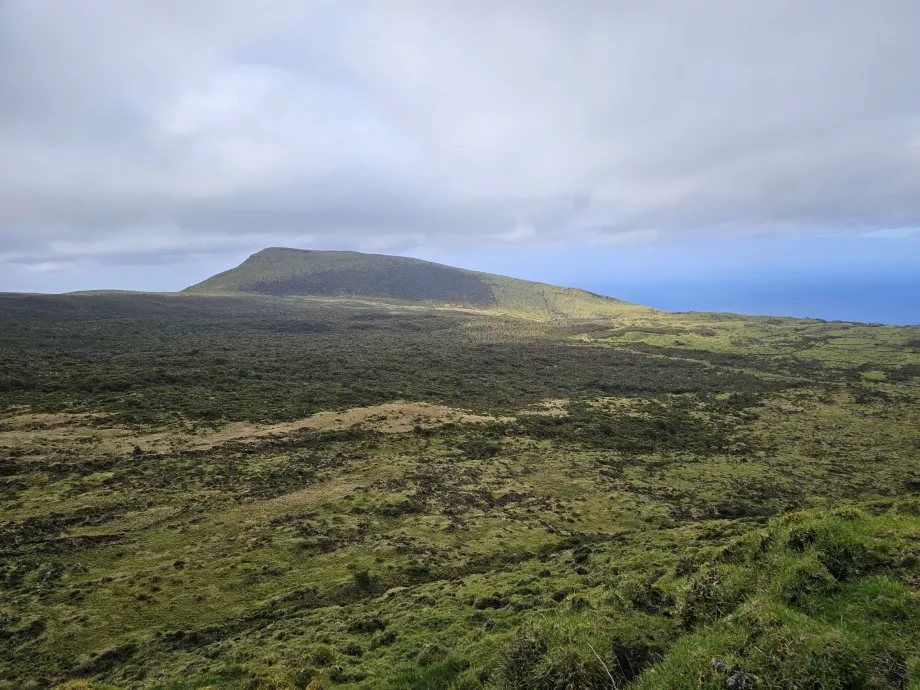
{"x": 43, "y": 267}
{"x": 161, "y": 127}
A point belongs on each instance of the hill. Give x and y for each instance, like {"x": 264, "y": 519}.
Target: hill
{"x": 376, "y": 277}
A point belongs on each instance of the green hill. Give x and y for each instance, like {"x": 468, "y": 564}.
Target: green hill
{"x": 304, "y": 273}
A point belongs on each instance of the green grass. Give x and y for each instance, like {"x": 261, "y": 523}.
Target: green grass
{"x": 380, "y": 278}
{"x": 750, "y": 506}
{"x": 815, "y": 600}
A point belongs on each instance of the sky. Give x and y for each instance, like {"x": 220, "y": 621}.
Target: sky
{"x": 761, "y": 157}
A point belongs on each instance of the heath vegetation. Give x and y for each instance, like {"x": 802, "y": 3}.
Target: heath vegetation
{"x": 261, "y": 493}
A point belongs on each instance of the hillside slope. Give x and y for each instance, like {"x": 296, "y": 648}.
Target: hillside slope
{"x": 253, "y": 493}
{"x": 298, "y": 272}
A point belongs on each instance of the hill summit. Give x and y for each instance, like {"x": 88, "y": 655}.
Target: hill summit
{"x": 305, "y": 273}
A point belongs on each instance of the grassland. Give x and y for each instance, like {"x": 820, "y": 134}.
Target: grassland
{"x": 261, "y": 493}
{"x": 399, "y": 280}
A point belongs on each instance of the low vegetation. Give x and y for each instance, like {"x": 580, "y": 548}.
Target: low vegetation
{"x": 399, "y": 280}
{"x": 264, "y": 494}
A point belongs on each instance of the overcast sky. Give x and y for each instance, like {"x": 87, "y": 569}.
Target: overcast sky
{"x": 172, "y": 132}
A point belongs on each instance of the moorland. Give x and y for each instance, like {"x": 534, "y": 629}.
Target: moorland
{"x": 469, "y": 482}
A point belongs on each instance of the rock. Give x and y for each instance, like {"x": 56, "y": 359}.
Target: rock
{"x": 719, "y": 665}
{"x": 740, "y": 681}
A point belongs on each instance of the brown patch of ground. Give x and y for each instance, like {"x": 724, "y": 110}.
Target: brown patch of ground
{"x": 42, "y": 421}
{"x": 47, "y": 434}
{"x": 41, "y": 435}
{"x": 389, "y": 418}
{"x": 44, "y": 435}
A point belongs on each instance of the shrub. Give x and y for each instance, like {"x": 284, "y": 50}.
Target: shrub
{"x": 353, "y": 649}
{"x": 272, "y": 679}
{"x": 802, "y": 582}
{"x": 322, "y": 655}
{"x": 573, "y": 668}
{"x": 383, "y": 638}
{"x": 428, "y": 654}
{"x": 524, "y": 652}
{"x": 712, "y": 594}
{"x": 584, "y": 651}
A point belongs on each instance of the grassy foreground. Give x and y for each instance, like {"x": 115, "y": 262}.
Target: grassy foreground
{"x": 257, "y": 493}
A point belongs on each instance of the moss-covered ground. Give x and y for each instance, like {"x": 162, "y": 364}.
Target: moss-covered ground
{"x": 189, "y": 498}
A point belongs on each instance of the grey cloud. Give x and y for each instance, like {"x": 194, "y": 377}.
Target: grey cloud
{"x": 167, "y": 127}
